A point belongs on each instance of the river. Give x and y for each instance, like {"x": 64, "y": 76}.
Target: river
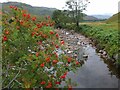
{"x": 95, "y": 71}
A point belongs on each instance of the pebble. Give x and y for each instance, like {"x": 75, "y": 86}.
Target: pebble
{"x": 78, "y": 43}
{"x": 104, "y": 53}
{"x": 66, "y": 33}
{"x": 100, "y": 51}
{"x": 70, "y": 52}
{"x": 85, "y": 56}
{"x": 73, "y": 42}
{"x": 75, "y": 55}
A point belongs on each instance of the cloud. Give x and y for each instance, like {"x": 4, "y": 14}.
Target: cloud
{"x": 95, "y": 7}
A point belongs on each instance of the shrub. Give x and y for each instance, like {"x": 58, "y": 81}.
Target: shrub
{"x": 30, "y": 57}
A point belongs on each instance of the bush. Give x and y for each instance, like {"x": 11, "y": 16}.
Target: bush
{"x": 30, "y": 57}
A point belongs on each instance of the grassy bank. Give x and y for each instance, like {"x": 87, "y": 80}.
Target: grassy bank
{"x": 104, "y": 35}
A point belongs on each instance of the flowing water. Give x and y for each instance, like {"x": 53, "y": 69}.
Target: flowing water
{"x": 95, "y": 72}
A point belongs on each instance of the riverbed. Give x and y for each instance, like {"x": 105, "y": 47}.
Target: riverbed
{"x": 95, "y": 72}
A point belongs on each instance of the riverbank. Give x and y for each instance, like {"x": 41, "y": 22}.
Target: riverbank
{"x": 104, "y": 37}
{"x": 102, "y": 73}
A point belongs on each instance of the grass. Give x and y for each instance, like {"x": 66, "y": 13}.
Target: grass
{"x": 103, "y": 25}
{"x": 114, "y": 18}
{"x": 105, "y": 36}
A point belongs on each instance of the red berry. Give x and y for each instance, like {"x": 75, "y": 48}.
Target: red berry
{"x": 15, "y": 8}
{"x": 42, "y": 65}
{"x": 57, "y": 35}
{"x": 56, "y": 46}
{"x": 57, "y": 82}
{"x": 33, "y": 33}
{"x": 48, "y": 17}
{"x": 48, "y": 59}
{"x": 47, "y": 24}
{"x": 7, "y": 32}
{"x": 38, "y": 25}
{"x": 69, "y": 60}
{"x": 55, "y": 61}
{"x": 49, "y": 85}
{"x": 77, "y": 63}
{"x": 63, "y": 76}
{"x": 10, "y": 6}
{"x": 21, "y": 22}
{"x": 62, "y": 42}
{"x": 51, "y": 25}
{"x": 51, "y": 32}
{"x": 24, "y": 15}
{"x": 28, "y": 16}
{"x": 33, "y": 18}
{"x": 43, "y": 82}
{"x": 5, "y": 38}
{"x": 37, "y": 54}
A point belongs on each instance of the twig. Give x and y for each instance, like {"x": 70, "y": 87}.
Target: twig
{"x": 18, "y": 82}
{"x": 12, "y": 80}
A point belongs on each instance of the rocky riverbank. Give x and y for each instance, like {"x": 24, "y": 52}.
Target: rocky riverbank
{"x": 94, "y": 68}
{"x": 74, "y": 44}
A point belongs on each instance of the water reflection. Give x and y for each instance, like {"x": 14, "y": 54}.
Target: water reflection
{"x": 113, "y": 69}
{"x": 95, "y": 72}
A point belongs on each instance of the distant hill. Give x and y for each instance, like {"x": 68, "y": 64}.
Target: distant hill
{"x": 102, "y": 16}
{"x": 90, "y": 18}
{"x": 31, "y": 9}
{"x": 39, "y": 10}
{"x": 114, "y": 18}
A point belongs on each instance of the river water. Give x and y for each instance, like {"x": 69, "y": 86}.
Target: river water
{"x": 95, "y": 72}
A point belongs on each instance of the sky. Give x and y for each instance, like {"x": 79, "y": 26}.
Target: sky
{"x": 109, "y": 7}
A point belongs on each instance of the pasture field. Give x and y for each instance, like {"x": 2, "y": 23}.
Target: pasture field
{"x": 103, "y": 25}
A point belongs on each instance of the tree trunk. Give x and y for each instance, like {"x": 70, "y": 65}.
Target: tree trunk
{"x": 77, "y": 23}
{"x": 77, "y": 19}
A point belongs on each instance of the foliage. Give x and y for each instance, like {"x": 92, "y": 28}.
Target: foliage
{"x": 30, "y": 57}
{"x": 76, "y": 8}
{"x": 114, "y": 18}
{"x": 61, "y": 18}
{"x": 105, "y": 38}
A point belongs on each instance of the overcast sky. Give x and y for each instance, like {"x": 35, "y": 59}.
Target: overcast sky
{"x": 95, "y": 7}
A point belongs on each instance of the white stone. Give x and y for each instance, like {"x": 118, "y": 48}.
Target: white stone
{"x": 85, "y": 56}
{"x": 70, "y": 52}
{"x": 78, "y": 43}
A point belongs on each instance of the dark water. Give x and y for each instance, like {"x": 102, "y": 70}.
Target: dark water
{"x": 95, "y": 72}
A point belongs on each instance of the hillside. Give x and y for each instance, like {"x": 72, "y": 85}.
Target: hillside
{"x": 31, "y": 9}
{"x": 102, "y": 16}
{"x": 114, "y": 18}
{"x": 90, "y": 18}
{"x": 39, "y": 10}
